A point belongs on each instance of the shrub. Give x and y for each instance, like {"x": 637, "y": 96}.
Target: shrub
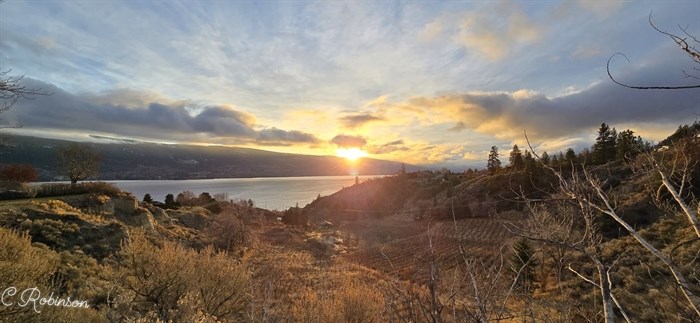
{"x": 23, "y": 266}
{"x": 19, "y": 173}
{"x": 180, "y": 284}
{"x": 294, "y": 216}
{"x": 169, "y": 200}
{"x": 59, "y": 189}
{"x": 186, "y": 198}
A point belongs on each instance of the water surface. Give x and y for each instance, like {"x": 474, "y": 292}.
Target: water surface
{"x": 269, "y": 192}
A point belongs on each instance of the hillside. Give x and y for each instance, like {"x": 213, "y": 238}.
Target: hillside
{"x": 143, "y": 161}
{"x": 418, "y": 246}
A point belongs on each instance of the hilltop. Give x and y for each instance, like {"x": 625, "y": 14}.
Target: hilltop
{"x": 143, "y": 161}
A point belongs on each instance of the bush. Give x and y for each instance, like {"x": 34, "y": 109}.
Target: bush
{"x": 23, "y": 265}
{"x": 60, "y": 189}
{"x": 175, "y": 283}
{"x": 19, "y": 173}
{"x": 294, "y": 216}
{"x": 186, "y": 198}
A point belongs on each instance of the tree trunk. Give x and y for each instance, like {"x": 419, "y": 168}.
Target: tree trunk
{"x": 692, "y": 215}
{"x": 605, "y": 292}
{"x": 677, "y": 274}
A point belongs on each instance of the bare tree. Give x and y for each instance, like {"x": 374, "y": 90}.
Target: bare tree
{"x": 78, "y": 162}
{"x": 230, "y": 229}
{"x": 686, "y": 43}
{"x": 584, "y": 191}
{"x": 570, "y": 222}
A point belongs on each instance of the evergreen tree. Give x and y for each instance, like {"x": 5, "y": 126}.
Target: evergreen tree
{"x": 147, "y": 198}
{"x": 584, "y": 157}
{"x": 604, "y": 148}
{"x": 545, "y": 158}
{"x": 562, "y": 160}
{"x": 529, "y": 162}
{"x": 524, "y": 263}
{"x": 170, "y": 200}
{"x": 570, "y": 158}
{"x": 628, "y": 145}
{"x": 493, "y": 164}
{"x": 683, "y": 132}
{"x": 555, "y": 161}
{"x": 516, "y": 158}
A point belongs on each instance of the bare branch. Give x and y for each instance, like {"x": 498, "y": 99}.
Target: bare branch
{"x": 607, "y": 66}
{"x": 682, "y": 42}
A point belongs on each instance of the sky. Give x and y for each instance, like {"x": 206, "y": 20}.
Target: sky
{"x": 429, "y": 83}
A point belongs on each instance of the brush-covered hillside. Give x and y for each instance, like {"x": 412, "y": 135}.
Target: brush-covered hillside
{"x": 538, "y": 239}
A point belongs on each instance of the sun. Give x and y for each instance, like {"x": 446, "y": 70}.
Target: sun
{"x": 351, "y": 154}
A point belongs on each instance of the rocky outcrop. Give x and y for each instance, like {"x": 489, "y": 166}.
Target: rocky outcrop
{"x": 195, "y": 218}
{"x": 159, "y": 215}
{"x": 127, "y": 210}
{"x": 124, "y": 204}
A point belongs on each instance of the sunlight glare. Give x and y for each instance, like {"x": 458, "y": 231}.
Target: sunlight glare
{"x": 351, "y": 154}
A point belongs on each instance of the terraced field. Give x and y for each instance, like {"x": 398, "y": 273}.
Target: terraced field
{"x": 409, "y": 258}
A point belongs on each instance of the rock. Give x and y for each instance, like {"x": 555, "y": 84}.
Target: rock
{"x": 159, "y": 214}
{"x": 196, "y": 218}
{"x": 141, "y": 217}
{"x": 124, "y": 204}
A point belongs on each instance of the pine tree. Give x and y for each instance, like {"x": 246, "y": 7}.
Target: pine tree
{"x": 147, "y": 198}
{"x": 570, "y": 158}
{"x": 523, "y": 264}
{"x": 628, "y": 145}
{"x": 584, "y": 157}
{"x": 169, "y": 200}
{"x": 604, "y": 148}
{"x": 516, "y": 158}
{"x": 493, "y": 164}
{"x": 529, "y": 162}
{"x": 545, "y": 158}
{"x": 562, "y": 160}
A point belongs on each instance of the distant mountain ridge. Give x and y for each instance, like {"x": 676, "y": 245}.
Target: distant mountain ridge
{"x": 151, "y": 161}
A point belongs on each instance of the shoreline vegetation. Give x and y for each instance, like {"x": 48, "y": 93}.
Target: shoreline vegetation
{"x": 599, "y": 234}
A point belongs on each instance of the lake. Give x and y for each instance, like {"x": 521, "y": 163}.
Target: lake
{"x": 273, "y": 193}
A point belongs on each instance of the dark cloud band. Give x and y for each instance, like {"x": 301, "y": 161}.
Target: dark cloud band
{"x": 154, "y": 120}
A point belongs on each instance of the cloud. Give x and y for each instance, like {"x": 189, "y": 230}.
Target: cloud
{"x": 126, "y": 97}
{"x": 389, "y": 147}
{"x": 459, "y": 126}
{"x": 276, "y": 136}
{"x": 601, "y": 8}
{"x": 506, "y": 115}
{"x": 348, "y": 141}
{"x": 586, "y": 52}
{"x": 358, "y": 120}
{"x": 432, "y": 30}
{"x": 444, "y": 153}
{"x": 128, "y": 113}
{"x": 495, "y": 37}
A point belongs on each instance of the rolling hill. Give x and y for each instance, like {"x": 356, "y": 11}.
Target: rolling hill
{"x": 147, "y": 161}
